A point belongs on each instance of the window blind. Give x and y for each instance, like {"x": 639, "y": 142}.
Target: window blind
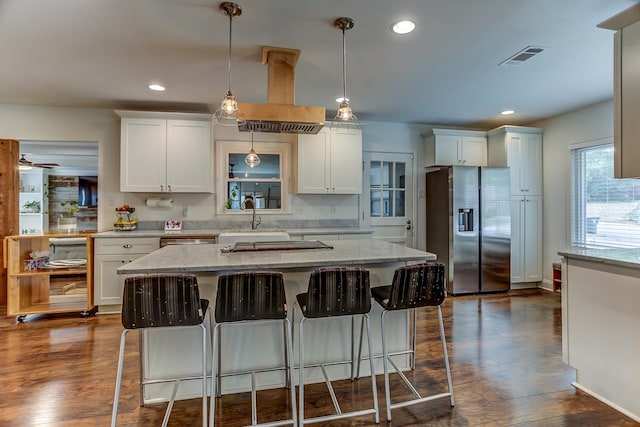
{"x": 605, "y": 212}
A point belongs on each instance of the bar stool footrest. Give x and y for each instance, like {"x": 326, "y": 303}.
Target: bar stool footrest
{"x": 421, "y": 400}
{"x": 338, "y": 416}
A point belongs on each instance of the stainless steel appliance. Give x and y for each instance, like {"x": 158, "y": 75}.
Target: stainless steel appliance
{"x": 468, "y": 226}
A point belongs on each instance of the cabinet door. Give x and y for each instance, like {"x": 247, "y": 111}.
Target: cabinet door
{"x": 514, "y": 159}
{"x": 532, "y": 238}
{"x": 524, "y": 157}
{"x": 313, "y": 167}
{"x": 189, "y": 158}
{"x": 447, "y": 150}
{"x": 627, "y": 102}
{"x": 517, "y": 239}
{"x": 346, "y": 162}
{"x": 107, "y": 285}
{"x": 143, "y": 155}
{"x": 531, "y": 163}
{"x": 473, "y": 151}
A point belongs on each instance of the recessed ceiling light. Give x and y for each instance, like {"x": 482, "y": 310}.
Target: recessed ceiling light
{"x": 507, "y": 112}
{"x": 341, "y": 99}
{"x": 156, "y": 87}
{"x": 403, "y": 27}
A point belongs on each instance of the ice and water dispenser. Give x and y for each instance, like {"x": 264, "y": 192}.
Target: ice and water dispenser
{"x": 465, "y": 219}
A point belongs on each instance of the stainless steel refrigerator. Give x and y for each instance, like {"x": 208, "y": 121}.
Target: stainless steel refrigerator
{"x": 468, "y": 226}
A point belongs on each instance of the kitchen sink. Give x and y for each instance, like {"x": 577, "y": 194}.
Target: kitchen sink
{"x": 230, "y": 237}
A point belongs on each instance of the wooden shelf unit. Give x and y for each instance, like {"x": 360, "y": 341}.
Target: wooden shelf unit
{"x": 557, "y": 277}
{"x": 45, "y": 291}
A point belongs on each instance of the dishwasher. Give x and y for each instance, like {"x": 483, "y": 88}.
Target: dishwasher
{"x": 165, "y": 241}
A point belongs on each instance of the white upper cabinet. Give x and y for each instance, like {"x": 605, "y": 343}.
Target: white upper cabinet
{"x": 449, "y": 147}
{"x": 626, "y": 91}
{"x": 165, "y": 152}
{"x": 519, "y": 148}
{"x": 330, "y": 162}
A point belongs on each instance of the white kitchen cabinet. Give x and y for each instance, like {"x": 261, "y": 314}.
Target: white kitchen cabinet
{"x": 519, "y": 148}
{"x": 626, "y": 91}
{"x": 165, "y": 155}
{"x": 526, "y": 239}
{"x": 330, "y": 162}
{"x": 109, "y": 254}
{"x": 448, "y": 147}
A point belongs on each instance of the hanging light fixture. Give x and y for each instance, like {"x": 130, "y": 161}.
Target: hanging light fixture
{"x": 345, "y": 117}
{"x": 252, "y": 160}
{"x": 228, "y": 114}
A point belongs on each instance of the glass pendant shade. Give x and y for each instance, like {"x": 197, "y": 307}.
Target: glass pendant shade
{"x": 252, "y": 160}
{"x": 344, "y": 119}
{"x": 228, "y": 114}
{"x": 229, "y": 104}
{"x": 344, "y": 111}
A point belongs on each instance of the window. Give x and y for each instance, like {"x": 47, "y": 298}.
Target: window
{"x": 265, "y": 183}
{"x": 387, "y": 187}
{"x": 605, "y": 212}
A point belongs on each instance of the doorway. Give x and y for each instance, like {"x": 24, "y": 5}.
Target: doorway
{"x": 60, "y": 185}
{"x": 388, "y": 206}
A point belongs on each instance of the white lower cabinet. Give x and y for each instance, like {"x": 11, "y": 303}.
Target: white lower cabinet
{"x": 109, "y": 254}
{"x": 526, "y": 239}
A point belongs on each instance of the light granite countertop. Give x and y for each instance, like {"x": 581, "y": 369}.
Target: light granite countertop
{"x": 215, "y": 232}
{"x": 210, "y": 258}
{"x": 621, "y": 257}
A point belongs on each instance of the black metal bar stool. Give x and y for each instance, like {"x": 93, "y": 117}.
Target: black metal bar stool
{"x": 336, "y": 291}
{"x": 251, "y": 297}
{"x": 162, "y": 302}
{"x": 413, "y": 286}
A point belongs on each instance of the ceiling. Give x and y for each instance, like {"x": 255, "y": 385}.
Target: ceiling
{"x": 71, "y": 156}
{"x": 103, "y": 54}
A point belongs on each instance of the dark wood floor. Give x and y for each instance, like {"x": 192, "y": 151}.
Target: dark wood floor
{"x": 505, "y": 353}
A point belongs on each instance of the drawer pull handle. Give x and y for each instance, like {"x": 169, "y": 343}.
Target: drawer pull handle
{"x": 127, "y": 246}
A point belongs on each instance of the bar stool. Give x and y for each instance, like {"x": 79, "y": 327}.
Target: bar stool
{"x": 163, "y": 302}
{"x": 332, "y": 292}
{"x": 413, "y": 286}
{"x": 251, "y": 297}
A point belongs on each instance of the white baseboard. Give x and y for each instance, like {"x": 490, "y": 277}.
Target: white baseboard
{"x": 607, "y": 402}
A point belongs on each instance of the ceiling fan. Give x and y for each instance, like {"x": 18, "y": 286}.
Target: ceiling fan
{"x": 25, "y": 164}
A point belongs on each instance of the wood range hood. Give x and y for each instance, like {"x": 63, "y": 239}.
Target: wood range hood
{"x": 280, "y": 114}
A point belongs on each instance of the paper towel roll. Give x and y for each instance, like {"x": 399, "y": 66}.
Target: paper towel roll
{"x": 152, "y": 202}
{"x": 165, "y": 203}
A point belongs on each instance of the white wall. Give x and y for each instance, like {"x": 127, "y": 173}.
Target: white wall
{"x": 37, "y": 123}
{"x": 586, "y": 124}
{"x": 403, "y": 138}
{"x": 68, "y": 124}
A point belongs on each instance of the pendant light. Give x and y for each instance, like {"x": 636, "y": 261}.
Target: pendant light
{"x": 228, "y": 114}
{"x": 252, "y": 160}
{"x": 345, "y": 119}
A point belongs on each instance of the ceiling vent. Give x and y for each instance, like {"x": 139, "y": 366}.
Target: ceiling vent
{"x": 522, "y": 56}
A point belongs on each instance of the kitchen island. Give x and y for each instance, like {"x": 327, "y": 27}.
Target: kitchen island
{"x": 259, "y": 346}
{"x": 601, "y": 324}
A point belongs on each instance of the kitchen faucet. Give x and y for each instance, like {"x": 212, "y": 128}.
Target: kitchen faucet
{"x": 250, "y": 204}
